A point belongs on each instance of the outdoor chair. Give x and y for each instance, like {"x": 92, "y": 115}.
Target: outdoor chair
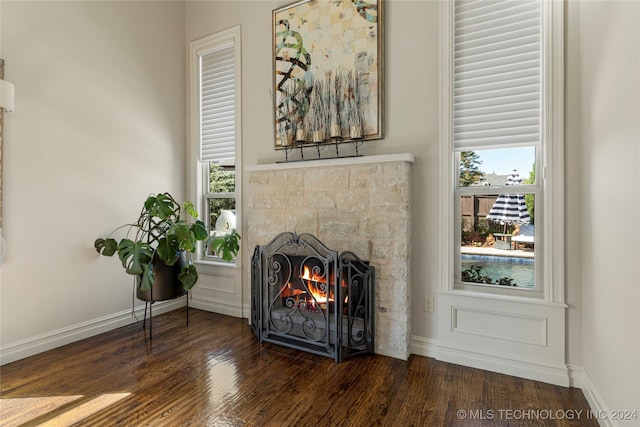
{"x": 525, "y": 235}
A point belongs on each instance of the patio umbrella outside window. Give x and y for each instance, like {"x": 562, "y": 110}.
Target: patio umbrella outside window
{"x": 510, "y": 208}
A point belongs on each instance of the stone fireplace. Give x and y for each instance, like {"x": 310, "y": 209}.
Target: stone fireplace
{"x": 358, "y": 204}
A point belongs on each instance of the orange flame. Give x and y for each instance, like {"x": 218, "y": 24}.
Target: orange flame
{"x": 319, "y": 296}
{"x": 306, "y": 275}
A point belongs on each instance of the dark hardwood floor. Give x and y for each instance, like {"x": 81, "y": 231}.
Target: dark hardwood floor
{"x": 214, "y": 373}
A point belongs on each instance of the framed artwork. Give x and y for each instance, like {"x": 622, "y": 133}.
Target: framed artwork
{"x": 328, "y": 72}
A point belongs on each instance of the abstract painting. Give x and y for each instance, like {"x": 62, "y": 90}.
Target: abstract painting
{"x": 327, "y": 69}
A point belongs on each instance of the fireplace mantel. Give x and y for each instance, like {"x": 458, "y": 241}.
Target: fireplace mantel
{"x": 343, "y": 161}
{"x": 357, "y": 204}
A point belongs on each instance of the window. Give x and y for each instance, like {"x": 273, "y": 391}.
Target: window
{"x": 215, "y": 92}
{"x": 501, "y": 137}
{"x": 497, "y": 218}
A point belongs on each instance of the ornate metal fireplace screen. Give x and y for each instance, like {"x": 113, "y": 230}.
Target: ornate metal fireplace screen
{"x": 305, "y": 296}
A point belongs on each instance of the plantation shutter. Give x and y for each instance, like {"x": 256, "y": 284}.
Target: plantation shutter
{"x": 497, "y": 74}
{"x": 217, "y": 108}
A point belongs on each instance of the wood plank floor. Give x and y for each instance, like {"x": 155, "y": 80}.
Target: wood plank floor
{"x": 214, "y": 373}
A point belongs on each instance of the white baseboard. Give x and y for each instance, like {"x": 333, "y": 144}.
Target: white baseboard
{"x": 428, "y": 347}
{"x": 575, "y": 375}
{"x": 533, "y": 370}
{"x": 216, "y": 306}
{"x": 423, "y": 346}
{"x": 596, "y": 402}
{"x": 50, "y": 340}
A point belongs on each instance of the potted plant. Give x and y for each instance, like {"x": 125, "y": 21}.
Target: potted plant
{"x": 157, "y": 245}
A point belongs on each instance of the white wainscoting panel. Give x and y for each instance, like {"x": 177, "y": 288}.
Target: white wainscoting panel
{"x": 515, "y": 336}
{"x": 500, "y": 325}
{"x": 219, "y": 289}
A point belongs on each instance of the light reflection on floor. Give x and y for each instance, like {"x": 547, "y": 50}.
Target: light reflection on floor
{"x": 222, "y": 380}
{"x": 17, "y": 411}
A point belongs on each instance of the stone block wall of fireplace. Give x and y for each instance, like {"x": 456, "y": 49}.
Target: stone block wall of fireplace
{"x": 359, "y": 204}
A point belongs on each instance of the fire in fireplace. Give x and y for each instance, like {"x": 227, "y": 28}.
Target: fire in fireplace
{"x": 305, "y": 296}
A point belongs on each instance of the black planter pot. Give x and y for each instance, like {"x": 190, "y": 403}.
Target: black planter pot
{"x": 166, "y": 285}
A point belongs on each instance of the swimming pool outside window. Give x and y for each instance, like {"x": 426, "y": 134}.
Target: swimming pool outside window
{"x": 496, "y": 252}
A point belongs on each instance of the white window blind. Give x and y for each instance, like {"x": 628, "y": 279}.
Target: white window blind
{"x": 218, "y": 106}
{"x": 497, "y": 74}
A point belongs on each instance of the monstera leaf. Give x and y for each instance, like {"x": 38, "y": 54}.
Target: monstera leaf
{"x": 168, "y": 248}
{"x": 106, "y": 247}
{"x": 135, "y": 256}
{"x": 190, "y": 208}
{"x": 199, "y": 230}
{"x": 185, "y": 238}
{"x": 187, "y": 234}
{"x": 226, "y": 246}
{"x": 148, "y": 276}
{"x": 163, "y": 205}
{"x": 188, "y": 276}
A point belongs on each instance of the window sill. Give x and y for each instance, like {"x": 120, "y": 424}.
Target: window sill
{"x": 220, "y": 268}
{"x": 532, "y": 298}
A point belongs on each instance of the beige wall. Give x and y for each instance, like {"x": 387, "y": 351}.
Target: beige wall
{"x": 99, "y": 123}
{"x": 608, "y": 130}
{"x": 573, "y": 188}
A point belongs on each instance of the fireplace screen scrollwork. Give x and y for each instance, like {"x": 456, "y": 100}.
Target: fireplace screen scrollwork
{"x": 307, "y": 297}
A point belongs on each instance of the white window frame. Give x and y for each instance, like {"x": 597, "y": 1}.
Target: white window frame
{"x": 198, "y": 171}
{"x": 549, "y": 166}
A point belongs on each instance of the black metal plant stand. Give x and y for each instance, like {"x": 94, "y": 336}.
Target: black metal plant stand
{"x": 150, "y": 305}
